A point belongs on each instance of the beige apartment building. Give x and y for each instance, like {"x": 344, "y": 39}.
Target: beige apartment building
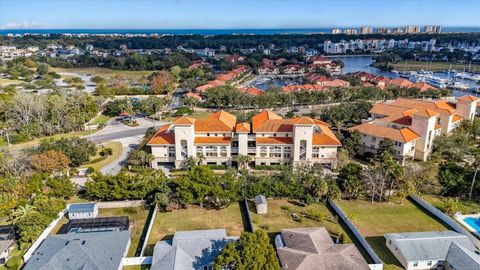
{"x": 268, "y": 140}
{"x": 413, "y": 124}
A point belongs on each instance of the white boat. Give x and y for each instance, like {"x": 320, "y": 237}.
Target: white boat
{"x": 467, "y": 76}
{"x": 459, "y": 85}
{"x": 437, "y": 82}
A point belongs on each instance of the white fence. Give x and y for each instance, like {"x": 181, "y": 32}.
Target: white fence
{"x": 150, "y": 226}
{"x": 120, "y": 204}
{"x": 44, "y": 235}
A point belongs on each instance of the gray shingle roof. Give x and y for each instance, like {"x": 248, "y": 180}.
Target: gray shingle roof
{"x": 81, "y": 208}
{"x": 189, "y": 250}
{"x": 92, "y": 251}
{"x": 462, "y": 259}
{"x": 421, "y": 246}
{"x": 260, "y": 199}
{"x": 313, "y": 249}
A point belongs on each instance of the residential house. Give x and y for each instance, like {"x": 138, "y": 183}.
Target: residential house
{"x": 313, "y": 249}
{"x": 425, "y": 250}
{"x": 96, "y": 250}
{"x": 461, "y": 258}
{"x": 293, "y": 69}
{"x": 190, "y": 250}
{"x": 252, "y": 91}
{"x": 268, "y": 140}
{"x": 413, "y": 124}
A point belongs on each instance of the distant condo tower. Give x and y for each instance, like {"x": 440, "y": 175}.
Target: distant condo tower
{"x": 336, "y": 31}
{"x": 351, "y": 31}
{"x": 383, "y": 30}
{"x": 412, "y": 29}
{"x": 433, "y": 29}
{"x": 366, "y": 30}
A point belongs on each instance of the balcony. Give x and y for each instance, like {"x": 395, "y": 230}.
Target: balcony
{"x": 252, "y": 150}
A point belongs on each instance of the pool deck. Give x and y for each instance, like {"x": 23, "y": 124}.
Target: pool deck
{"x": 460, "y": 218}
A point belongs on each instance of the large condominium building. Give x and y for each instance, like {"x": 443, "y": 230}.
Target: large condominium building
{"x": 267, "y": 140}
{"x": 350, "y": 31}
{"x": 413, "y": 124}
{"x": 336, "y": 31}
{"x": 366, "y": 30}
{"x": 412, "y": 29}
{"x": 433, "y": 29}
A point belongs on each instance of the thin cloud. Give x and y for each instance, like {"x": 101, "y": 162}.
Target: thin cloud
{"x": 25, "y": 25}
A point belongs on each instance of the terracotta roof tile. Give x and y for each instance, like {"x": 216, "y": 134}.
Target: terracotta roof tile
{"x": 400, "y": 135}
{"x": 212, "y": 140}
{"x": 242, "y": 127}
{"x": 184, "y": 120}
{"x": 274, "y": 140}
{"x": 228, "y": 119}
{"x": 162, "y": 137}
{"x": 324, "y": 139}
{"x": 456, "y": 118}
{"x": 251, "y": 91}
{"x": 467, "y": 98}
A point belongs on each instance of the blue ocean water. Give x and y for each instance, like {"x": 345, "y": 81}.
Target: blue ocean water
{"x": 198, "y": 31}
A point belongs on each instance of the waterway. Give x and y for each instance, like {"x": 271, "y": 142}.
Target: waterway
{"x": 363, "y": 63}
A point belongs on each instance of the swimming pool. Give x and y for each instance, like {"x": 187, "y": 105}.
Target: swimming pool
{"x": 473, "y": 222}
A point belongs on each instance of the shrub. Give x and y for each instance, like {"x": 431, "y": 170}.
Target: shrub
{"x": 182, "y": 111}
{"x": 14, "y": 263}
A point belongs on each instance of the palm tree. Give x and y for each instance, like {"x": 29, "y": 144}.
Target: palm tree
{"x": 243, "y": 161}
{"x": 23, "y": 211}
{"x": 476, "y": 165}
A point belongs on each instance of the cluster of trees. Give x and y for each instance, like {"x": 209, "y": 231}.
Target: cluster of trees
{"x": 230, "y": 97}
{"x": 28, "y": 115}
{"x": 251, "y": 251}
{"x": 200, "y": 185}
{"x": 34, "y": 75}
{"x": 149, "y": 106}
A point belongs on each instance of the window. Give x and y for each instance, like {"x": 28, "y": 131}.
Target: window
{"x": 415, "y": 264}
{"x": 315, "y": 152}
{"x": 223, "y": 151}
{"x": 263, "y": 151}
{"x": 274, "y": 134}
{"x": 208, "y": 134}
{"x": 429, "y": 263}
{"x": 276, "y": 151}
{"x": 287, "y": 151}
{"x": 211, "y": 151}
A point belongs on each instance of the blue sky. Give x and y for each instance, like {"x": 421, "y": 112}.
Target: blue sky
{"x": 221, "y": 14}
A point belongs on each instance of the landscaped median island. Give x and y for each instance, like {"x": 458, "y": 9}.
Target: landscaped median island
{"x": 374, "y": 220}
{"x": 104, "y": 156}
{"x": 195, "y": 218}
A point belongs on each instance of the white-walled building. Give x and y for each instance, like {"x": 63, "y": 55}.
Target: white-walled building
{"x": 413, "y": 124}
{"x": 267, "y": 140}
{"x": 425, "y": 250}
{"x": 82, "y": 210}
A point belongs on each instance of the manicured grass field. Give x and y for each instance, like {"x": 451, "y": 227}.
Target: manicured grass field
{"x": 433, "y": 66}
{"x": 34, "y": 142}
{"x": 106, "y": 73}
{"x": 116, "y": 152}
{"x": 8, "y": 81}
{"x": 195, "y": 218}
{"x": 101, "y": 120}
{"x": 143, "y": 267}
{"x": 466, "y": 206}
{"x": 279, "y": 216}
{"x": 137, "y": 217}
{"x": 373, "y": 220}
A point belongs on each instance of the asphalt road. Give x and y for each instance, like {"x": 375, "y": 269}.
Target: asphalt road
{"x": 99, "y": 138}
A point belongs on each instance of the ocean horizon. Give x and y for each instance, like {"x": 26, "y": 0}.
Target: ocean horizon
{"x": 273, "y": 31}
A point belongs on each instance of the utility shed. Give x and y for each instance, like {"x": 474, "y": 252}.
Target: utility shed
{"x": 261, "y": 204}
{"x": 82, "y": 210}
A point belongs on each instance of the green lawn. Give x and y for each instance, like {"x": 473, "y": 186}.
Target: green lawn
{"x": 106, "y": 73}
{"x": 279, "y": 216}
{"x": 195, "y": 218}
{"x": 101, "y": 120}
{"x": 8, "y": 81}
{"x": 373, "y": 220}
{"x": 143, "y": 267}
{"x": 433, "y": 66}
{"x": 116, "y": 152}
{"x": 137, "y": 217}
{"x": 466, "y": 206}
{"x": 34, "y": 142}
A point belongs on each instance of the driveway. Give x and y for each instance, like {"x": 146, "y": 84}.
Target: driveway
{"x": 128, "y": 145}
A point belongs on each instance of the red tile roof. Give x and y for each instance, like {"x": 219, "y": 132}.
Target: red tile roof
{"x": 274, "y": 140}
{"x": 399, "y": 135}
{"x": 162, "y": 137}
{"x": 242, "y": 127}
{"x": 212, "y": 140}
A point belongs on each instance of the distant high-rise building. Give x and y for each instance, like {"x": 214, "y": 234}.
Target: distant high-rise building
{"x": 412, "y": 29}
{"x": 336, "y": 31}
{"x": 383, "y": 30}
{"x": 433, "y": 29}
{"x": 351, "y": 31}
{"x": 366, "y": 30}
{"x": 397, "y": 30}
